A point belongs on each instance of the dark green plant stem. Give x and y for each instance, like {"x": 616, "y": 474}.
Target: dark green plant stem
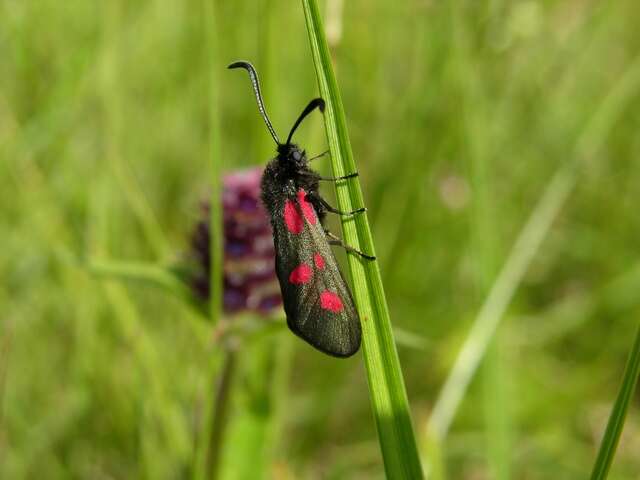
{"x": 386, "y": 385}
{"x": 618, "y": 414}
{"x": 218, "y": 423}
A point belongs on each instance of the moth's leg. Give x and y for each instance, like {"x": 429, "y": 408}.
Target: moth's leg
{"x": 335, "y": 179}
{"x": 333, "y": 240}
{"x": 327, "y": 179}
{"x": 325, "y": 205}
{"x": 319, "y": 155}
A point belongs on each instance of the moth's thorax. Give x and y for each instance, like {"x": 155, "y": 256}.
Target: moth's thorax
{"x": 284, "y": 176}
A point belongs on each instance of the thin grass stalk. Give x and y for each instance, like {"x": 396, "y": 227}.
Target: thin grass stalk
{"x": 147, "y": 273}
{"x": 215, "y": 155}
{"x": 216, "y": 417}
{"x": 386, "y": 385}
{"x": 618, "y": 414}
{"x": 159, "y": 276}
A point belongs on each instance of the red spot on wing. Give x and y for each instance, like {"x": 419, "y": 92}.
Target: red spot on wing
{"x": 292, "y": 218}
{"x": 318, "y": 260}
{"x": 301, "y": 274}
{"x": 330, "y": 301}
{"x": 307, "y": 209}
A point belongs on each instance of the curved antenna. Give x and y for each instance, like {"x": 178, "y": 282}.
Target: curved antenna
{"x": 313, "y": 104}
{"x": 256, "y": 89}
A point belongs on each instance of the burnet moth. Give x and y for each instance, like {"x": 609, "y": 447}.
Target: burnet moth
{"x": 317, "y": 301}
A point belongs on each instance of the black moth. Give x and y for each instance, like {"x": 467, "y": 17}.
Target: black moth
{"x": 316, "y": 298}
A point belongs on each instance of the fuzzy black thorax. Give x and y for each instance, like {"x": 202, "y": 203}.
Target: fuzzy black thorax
{"x": 285, "y": 175}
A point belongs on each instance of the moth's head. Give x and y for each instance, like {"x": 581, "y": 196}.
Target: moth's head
{"x": 291, "y": 153}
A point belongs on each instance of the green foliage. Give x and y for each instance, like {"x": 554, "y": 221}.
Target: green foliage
{"x": 462, "y": 116}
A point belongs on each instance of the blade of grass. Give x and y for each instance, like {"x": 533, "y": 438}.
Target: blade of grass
{"x": 386, "y": 385}
{"x": 149, "y": 273}
{"x": 618, "y": 414}
{"x": 212, "y": 439}
{"x": 155, "y": 275}
{"x": 215, "y": 155}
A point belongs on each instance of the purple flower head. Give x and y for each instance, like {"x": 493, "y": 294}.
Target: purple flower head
{"x": 249, "y": 259}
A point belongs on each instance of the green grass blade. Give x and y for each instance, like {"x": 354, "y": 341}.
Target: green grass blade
{"x": 618, "y": 414}
{"x": 215, "y": 156}
{"x": 211, "y": 437}
{"x": 150, "y": 273}
{"x": 386, "y": 385}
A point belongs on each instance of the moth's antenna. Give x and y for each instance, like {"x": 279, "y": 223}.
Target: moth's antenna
{"x": 256, "y": 89}
{"x": 313, "y": 104}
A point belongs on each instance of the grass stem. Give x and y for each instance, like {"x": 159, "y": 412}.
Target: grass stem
{"x": 386, "y": 385}
{"x": 618, "y": 414}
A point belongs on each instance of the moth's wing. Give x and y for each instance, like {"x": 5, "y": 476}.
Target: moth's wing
{"x": 317, "y": 301}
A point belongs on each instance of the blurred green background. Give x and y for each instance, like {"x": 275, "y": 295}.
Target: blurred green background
{"x": 460, "y": 115}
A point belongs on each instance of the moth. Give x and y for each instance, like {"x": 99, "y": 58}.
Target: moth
{"x": 317, "y": 301}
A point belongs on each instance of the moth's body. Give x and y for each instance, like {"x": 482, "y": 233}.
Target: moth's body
{"x": 316, "y": 299}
